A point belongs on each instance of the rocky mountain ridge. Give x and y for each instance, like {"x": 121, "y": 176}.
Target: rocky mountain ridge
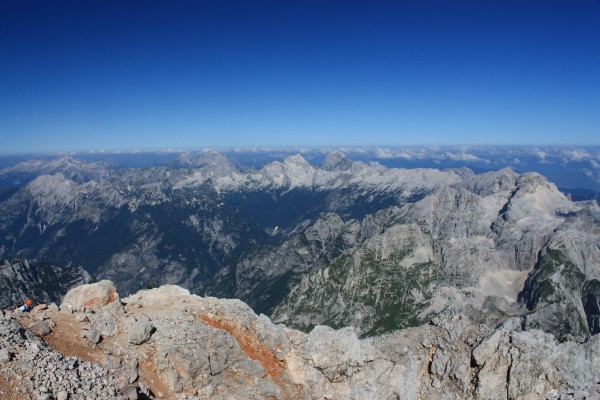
{"x": 347, "y": 243}
{"x": 166, "y": 343}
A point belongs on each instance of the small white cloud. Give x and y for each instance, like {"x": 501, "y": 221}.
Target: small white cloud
{"x": 461, "y": 157}
{"x": 577, "y": 155}
{"x": 384, "y": 153}
{"x": 541, "y": 155}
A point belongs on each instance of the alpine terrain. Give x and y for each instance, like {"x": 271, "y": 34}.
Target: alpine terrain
{"x": 342, "y": 244}
{"x": 506, "y": 265}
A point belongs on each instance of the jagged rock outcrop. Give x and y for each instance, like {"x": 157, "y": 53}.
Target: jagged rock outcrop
{"x": 207, "y": 348}
{"x": 42, "y": 282}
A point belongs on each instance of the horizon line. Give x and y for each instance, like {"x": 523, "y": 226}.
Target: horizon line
{"x": 286, "y": 148}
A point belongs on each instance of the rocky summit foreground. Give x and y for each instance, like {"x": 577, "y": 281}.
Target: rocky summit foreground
{"x": 165, "y": 343}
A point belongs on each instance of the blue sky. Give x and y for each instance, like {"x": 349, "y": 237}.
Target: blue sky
{"x": 77, "y": 75}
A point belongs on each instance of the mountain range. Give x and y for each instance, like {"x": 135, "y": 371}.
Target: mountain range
{"x": 345, "y": 243}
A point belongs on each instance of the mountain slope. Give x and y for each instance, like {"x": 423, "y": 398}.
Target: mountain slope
{"x": 482, "y": 248}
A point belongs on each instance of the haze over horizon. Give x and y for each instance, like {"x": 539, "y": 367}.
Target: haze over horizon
{"x": 150, "y": 75}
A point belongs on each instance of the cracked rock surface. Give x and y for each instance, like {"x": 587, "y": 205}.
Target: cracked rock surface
{"x": 208, "y": 348}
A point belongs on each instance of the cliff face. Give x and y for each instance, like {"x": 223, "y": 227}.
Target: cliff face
{"x": 42, "y": 282}
{"x": 166, "y": 343}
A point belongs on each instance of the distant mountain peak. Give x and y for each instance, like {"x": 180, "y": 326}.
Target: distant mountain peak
{"x": 296, "y": 159}
{"x": 202, "y": 159}
{"x": 337, "y": 161}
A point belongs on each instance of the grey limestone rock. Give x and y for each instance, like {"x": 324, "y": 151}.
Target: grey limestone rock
{"x": 105, "y": 323}
{"x": 62, "y": 395}
{"x": 92, "y": 335}
{"x": 39, "y": 371}
{"x": 5, "y": 355}
{"x": 209, "y": 348}
{"x": 130, "y": 392}
{"x": 337, "y": 353}
{"x": 140, "y": 332}
{"x": 41, "y": 328}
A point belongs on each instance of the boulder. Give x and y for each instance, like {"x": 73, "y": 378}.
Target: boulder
{"x": 91, "y": 297}
{"x": 92, "y": 335}
{"x": 41, "y": 328}
{"x": 140, "y": 332}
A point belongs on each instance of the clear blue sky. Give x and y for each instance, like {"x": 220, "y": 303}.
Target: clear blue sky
{"x": 120, "y": 74}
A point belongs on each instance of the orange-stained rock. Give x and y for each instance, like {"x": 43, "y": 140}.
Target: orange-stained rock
{"x": 91, "y": 297}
